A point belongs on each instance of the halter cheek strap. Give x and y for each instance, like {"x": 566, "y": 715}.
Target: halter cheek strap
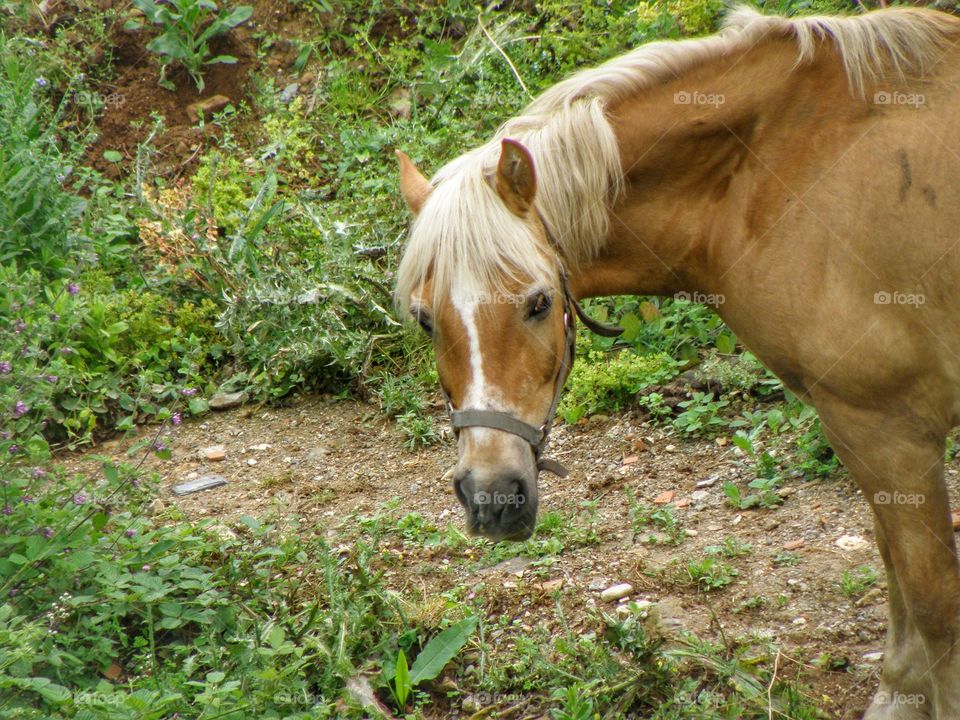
{"x": 535, "y": 436}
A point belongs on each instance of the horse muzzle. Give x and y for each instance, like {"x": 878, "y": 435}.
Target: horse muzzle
{"x": 501, "y": 507}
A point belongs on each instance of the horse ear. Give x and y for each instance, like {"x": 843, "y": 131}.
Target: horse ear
{"x": 414, "y": 187}
{"x": 516, "y": 179}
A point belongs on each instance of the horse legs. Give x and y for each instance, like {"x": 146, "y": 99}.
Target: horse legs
{"x": 898, "y": 463}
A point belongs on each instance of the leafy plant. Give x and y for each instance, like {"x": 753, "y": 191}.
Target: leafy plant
{"x": 186, "y": 27}
{"x": 430, "y": 661}
{"x": 700, "y": 414}
{"x": 709, "y": 573}
{"x": 765, "y": 484}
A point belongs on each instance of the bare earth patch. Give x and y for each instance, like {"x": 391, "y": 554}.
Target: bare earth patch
{"x": 324, "y": 462}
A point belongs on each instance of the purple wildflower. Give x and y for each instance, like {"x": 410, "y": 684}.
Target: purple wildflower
{"x": 54, "y": 317}
{"x": 12, "y": 592}
{"x": 52, "y": 379}
{"x": 20, "y": 409}
{"x": 188, "y": 392}
{"x": 7, "y": 510}
{"x": 4, "y": 435}
{"x": 5, "y": 367}
{"x": 73, "y": 288}
{"x": 19, "y": 326}
{"x": 159, "y": 446}
{"x": 39, "y": 473}
{"x": 130, "y": 532}
{"x": 41, "y": 81}
{"x": 176, "y": 419}
{"x": 27, "y": 499}
{"x": 47, "y": 532}
{"x": 66, "y": 351}
{"x": 13, "y": 449}
{"x": 146, "y": 568}
{"x": 79, "y": 499}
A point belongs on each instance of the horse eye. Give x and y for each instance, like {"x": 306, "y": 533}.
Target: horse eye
{"x": 423, "y": 319}
{"x": 539, "y": 305}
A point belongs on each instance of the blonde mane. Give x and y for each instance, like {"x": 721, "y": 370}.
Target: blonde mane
{"x": 466, "y": 238}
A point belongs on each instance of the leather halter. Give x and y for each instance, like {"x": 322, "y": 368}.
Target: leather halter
{"x": 537, "y": 436}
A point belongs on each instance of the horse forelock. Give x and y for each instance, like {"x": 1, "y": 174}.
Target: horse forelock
{"x": 466, "y": 238}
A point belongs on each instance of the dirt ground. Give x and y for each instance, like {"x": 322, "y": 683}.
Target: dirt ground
{"x": 322, "y": 462}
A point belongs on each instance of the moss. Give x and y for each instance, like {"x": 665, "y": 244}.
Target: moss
{"x": 608, "y": 383}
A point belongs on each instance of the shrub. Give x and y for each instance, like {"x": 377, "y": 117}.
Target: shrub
{"x": 602, "y": 383}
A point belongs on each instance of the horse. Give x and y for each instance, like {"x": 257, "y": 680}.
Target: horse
{"x": 805, "y": 173}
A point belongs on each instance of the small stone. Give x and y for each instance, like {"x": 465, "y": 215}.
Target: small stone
{"x": 399, "y": 103}
{"x": 794, "y": 544}
{"x": 800, "y": 621}
{"x": 552, "y": 585}
{"x": 850, "y": 542}
{"x": 955, "y": 518}
{"x": 225, "y": 401}
{"x": 699, "y": 495}
{"x": 630, "y": 459}
{"x": 616, "y": 592}
{"x": 873, "y": 657}
{"x": 707, "y": 482}
{"x": 664, "y": 497}
{"x": 307, "y": 78}
{"x": 251, "y": 462}
{"x": 157, "y": 506}
{"x": 214, "y": 453}
{"x": 261, "y": 446}
{"x": 289, "y": 93}
{"x": 206, "y": 108}
{"x": 691, "y": 533}
{"x": 682, "y": 503}
{"x": 671, "y": 448}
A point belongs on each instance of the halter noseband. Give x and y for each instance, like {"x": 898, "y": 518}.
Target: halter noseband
{"x": 537, "y": 436}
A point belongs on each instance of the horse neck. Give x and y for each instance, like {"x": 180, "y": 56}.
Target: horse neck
{"x": 693, "y": 151}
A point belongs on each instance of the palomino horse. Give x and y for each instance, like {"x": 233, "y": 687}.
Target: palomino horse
{"x": 806, "y": 171}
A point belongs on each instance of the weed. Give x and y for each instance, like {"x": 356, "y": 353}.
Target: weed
{"x": 700, "y": 414}
{"x": 731, "y": 547}
{"x": 709, "y": 574}
{"x": 664, "y": 519}
{"x": 785, "y": 558}
{"x": 854, "y": 583}
{"x": 186, "y": 27}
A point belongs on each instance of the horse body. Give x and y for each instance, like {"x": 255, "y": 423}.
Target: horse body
{"x": 814, "y": 201}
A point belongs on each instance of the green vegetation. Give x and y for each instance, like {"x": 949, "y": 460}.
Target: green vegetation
{"x": 854, "y": 583}
{"x": 186, "y": 27}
